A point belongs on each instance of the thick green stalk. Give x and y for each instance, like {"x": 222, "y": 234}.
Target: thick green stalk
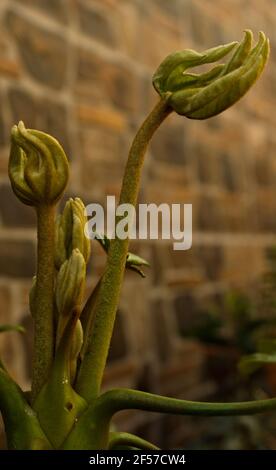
{"x": 91, "y": 371}
{"x": 44, "y": 298}
{"x": 57, "y": 405}
{"x": 22, "y": 428}
{"x": 92, "y": 429}
{"x": 124, "y": 399}
{"x": 88, "y": 316}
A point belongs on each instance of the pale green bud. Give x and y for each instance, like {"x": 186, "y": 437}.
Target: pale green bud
{"x": 70, "y": 284}
{"x": 70, "y": 232}
{"x": 200, "y": 96}
{"x": 38, "y": 166}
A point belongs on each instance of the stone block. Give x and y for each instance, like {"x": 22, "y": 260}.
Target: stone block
{"x": 12, "y": 212}
{"x": 97, "y": 22}
{"x": 102, "y": 151}
{"x": 105, "y": 81}
{"x": 44, "y": 54}
{"x": 54, "y": 120}
{"x": 17, "y": 258}
{"x": 161, "y": 31}
{"x": 40, "y": 113}
{"x": 56, "y": 9}
{"x": 24, "y": 107}
{"x": 170, "y": 144}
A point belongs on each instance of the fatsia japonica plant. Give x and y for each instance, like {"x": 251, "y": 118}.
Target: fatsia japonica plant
{"x": 66, "y": 408}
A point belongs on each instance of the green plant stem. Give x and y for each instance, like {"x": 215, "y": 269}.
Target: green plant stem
{"x": 21, "y": 425}
{"x": 119, "y": 439}
{"x": 88, "y": 316}
{"x": 51, "y": 405}
{"x": 44, "y": 298}
{"x": 91, "y": 371}
{"x": 92, "y": 429}
{"x": 124, "y": 399}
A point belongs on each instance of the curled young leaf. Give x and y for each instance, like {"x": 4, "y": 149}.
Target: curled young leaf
{"x": 174, "y": 66}
{"x": 200, "y": 96}
{"x": 133, "y": 262}
{"x": 38, "y": 166}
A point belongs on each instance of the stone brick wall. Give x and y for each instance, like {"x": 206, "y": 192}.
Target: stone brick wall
{"x": 81, "y": 70}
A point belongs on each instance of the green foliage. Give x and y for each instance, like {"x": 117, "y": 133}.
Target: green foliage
{"x": 251, "y": 363}
{"x": 18, "y": 328}
{"x": 66, "y": 409}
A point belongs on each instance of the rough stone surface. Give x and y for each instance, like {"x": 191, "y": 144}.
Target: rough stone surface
{"x": 54, "y": 121}
{"x": 43, "y": 54}
{"x": 169, "y": 145}
{"x": 58, "y": 9}
{"x": 107, "y": 82}
{"x": 24, "y": 106}
{"x": 3, "y": 129}
{"x": 17, "y": 258}
{"x": 12, "y": 212}
{"x": 97, "y": 23}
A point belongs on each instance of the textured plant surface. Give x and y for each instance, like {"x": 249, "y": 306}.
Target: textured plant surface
{"x": 65, "y": 408}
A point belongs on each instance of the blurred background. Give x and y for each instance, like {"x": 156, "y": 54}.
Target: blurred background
{"x": 81, "y": 71}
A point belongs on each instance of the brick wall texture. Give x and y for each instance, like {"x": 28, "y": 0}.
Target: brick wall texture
{"x": 81, "y": 70}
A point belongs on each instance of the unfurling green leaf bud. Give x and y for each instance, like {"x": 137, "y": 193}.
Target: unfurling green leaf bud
{"x": 38, "y": 166}
{"x": 200, "y": 96}
{"x": 70, "y": 232}
{"x": 70, "y": 284}
{"x": 133, "y": 262}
